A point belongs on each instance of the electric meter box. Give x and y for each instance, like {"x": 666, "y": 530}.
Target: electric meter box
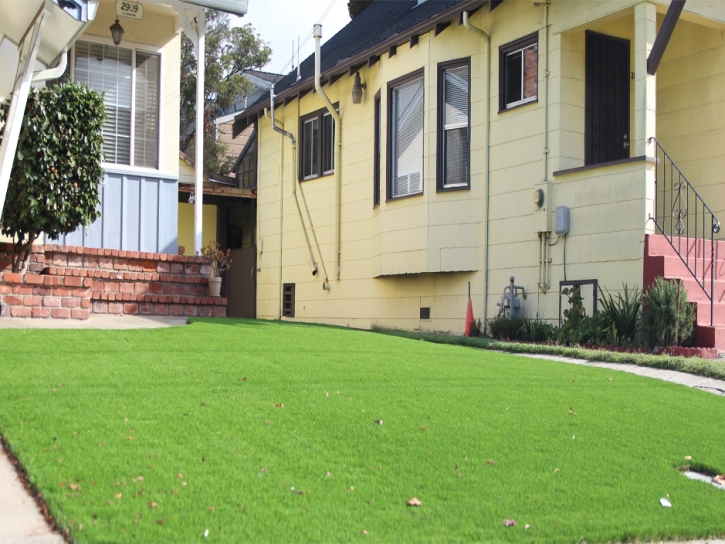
{"x": 542, "y": 211}
{"x": 561, "y": 221}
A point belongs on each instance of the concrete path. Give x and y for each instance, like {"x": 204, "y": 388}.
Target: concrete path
{"x": 710, "y": 385}
{"x": 20, "y": 519}
{"x": 96, "y": 321}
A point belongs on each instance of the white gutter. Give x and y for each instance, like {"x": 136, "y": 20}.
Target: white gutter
{"x": 486, "y": 37}
{"x": 53, "y": 73}
{"x": 338, "y": 146}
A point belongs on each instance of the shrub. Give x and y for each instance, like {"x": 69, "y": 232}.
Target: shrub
{"x": 621, "y": 315}
{"x": 667, "y": 318}
{"x": 522, "y": 328}
{"x": 54, "y": 181}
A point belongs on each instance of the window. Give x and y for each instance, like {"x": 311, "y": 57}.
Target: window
{"x": 317, "y": 145}
{"x": 454, "y": 99}
{"x": 247, "y": 163}
{"x": 378, "y": 144}
{"x": 519, "y": 72}
{"x": 130, "y": 80}
{"x": 288, "y": 300}
{"x": 405, "y": 136}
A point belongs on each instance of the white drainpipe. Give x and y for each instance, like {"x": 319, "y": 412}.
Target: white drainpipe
{"x": 53, "y": 73}
{"x": 338, "y": 146}
{"x": 313, "y": 264}
{"x": 199, "y": 158}
{"x": 486, "y": 37}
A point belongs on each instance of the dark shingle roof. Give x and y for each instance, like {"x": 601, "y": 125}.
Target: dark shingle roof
{"x": 384, "y": 23}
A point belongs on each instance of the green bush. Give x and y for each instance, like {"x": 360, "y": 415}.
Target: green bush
{"x": 621, "y": 315}
{"x": 522, "y": 328}
{"x": 667, "y": 318}
{"x": 578, "y": 328}
{"x": 54, "y": 184}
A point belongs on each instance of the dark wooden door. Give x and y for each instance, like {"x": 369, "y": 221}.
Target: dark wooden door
{"x": 242, "y": 283}
{"x": 606, "y": 131}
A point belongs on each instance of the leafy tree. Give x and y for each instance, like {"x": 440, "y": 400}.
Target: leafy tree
{"x": 229, "y": 53}
{"x": 356, "y": 7}
{"x": 54, "y": 182}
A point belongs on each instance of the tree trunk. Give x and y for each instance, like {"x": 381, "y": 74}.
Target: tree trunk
{"x": 22, "y": 251}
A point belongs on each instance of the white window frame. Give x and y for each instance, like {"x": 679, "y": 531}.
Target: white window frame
{"x": 133, "y": 46}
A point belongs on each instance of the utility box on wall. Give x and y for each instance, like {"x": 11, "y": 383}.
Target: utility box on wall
{"x": 562, "y": 221}
{"x": 542, "y": 201}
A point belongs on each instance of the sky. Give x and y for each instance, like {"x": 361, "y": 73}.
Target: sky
{"x": 279, "y": 22}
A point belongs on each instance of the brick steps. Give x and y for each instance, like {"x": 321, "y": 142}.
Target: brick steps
{"x": 87, "y": 280}
{"x": 660, "y": 259}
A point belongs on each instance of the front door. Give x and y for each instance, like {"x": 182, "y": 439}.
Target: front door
{"x": 606, "y": 130}
{"x": 242, "y": 283}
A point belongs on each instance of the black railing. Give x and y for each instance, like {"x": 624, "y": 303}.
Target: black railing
{"x": 686, "y": 221}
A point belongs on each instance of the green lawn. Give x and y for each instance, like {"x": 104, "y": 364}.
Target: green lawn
{"x": 266, "y": 432}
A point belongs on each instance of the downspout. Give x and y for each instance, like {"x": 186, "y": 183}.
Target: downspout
{"x": 313, "y": 264}
{"x": 53, "y": 73}
{"x": 468, "y": 26}
{"x": 338, "y": 146}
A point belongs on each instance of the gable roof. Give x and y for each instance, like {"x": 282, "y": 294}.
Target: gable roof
{"x": 383, "y": 25}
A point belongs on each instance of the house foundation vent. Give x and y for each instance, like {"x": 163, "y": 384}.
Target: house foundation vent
{"x": 288, "y": 300}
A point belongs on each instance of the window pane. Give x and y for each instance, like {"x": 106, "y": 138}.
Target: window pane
{"x": 456, "y": 96}
{"x": 456, "y": 157}
{"x": 146, "y": 127}
{"x": 328, "y": 143}
{"x": 408, "y": 138}
{"x": 513, "y": 77}
{"x": 107, "y": 69}
{"x": 309, "y": 148}
{"x": 531, "y": 71}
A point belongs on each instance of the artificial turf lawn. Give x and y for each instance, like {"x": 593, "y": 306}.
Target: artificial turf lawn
{"x": 99, "y": 409}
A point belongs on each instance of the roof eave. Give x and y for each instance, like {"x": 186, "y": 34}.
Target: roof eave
{"x": 242, "y": 120}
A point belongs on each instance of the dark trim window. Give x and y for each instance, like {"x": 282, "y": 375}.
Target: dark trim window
{"x": 378, "y": 144}
{"x": 454, "y": 125}
{"x": 406, "y": 112}
{"x": 317, "y": 144}
{"x": 247, "y": 164}
{"x": 519, "y": 72}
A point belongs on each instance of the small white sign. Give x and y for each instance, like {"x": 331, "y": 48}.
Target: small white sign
{"x": 128, "y": 9}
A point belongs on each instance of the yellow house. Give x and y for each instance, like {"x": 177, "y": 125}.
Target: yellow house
{"x": 493, "y": 139}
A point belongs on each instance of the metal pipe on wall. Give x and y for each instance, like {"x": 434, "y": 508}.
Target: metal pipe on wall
{"x": 338, "y": 145}
{"x": 199, "y": 151}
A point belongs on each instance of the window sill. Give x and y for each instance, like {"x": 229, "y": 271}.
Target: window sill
{"x": 403, "y": 197}
{"x": 600, "y": 165}
{"x": 441, "y": 189}
{"x": 327, "y": 175}
{"x": 521, "y": 105}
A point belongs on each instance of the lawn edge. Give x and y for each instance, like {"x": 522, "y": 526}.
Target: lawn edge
{"x": 34, "y": 492}
{"x": 691, "y": 365}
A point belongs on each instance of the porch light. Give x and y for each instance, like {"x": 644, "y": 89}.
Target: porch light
{"x": 116, "y": 32}
{"x": 357, "y": 89}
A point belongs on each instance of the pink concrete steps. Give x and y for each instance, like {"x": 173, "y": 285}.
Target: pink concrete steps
{"x": 661, "y": 259}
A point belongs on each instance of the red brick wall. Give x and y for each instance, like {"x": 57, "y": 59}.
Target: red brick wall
{"x": 72, "y": 282}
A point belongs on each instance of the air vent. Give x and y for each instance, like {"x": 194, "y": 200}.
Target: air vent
{"x": 425, "y": 314}
{"x": 288, "y": 300}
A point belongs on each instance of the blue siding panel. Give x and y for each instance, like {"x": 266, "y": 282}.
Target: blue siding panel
{"x": 138, "y": 213}
{"x": 111, "y": 211}
{"x": 149, "y": 214}
{"x": 131, "y": 214}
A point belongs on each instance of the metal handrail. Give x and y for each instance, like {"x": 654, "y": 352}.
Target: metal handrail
{"x": 683, "y": 211}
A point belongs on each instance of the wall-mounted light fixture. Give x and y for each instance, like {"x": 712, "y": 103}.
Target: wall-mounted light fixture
{"x": 357, "y": 89}
{"x": 116, "y": 32}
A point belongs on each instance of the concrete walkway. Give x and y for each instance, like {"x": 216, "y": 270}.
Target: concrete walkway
{"x": 20, "y": 519}
{"x": 96, "y": 321}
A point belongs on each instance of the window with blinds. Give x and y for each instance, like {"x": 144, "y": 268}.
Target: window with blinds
{"x": 317, "y": 145}
{"x": 130, "y": 81}
{"x": 454, "y": 125}
{"x": 406, "y": 137}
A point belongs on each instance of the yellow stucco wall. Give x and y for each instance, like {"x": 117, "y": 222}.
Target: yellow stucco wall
{"x": 186, "y": 225}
